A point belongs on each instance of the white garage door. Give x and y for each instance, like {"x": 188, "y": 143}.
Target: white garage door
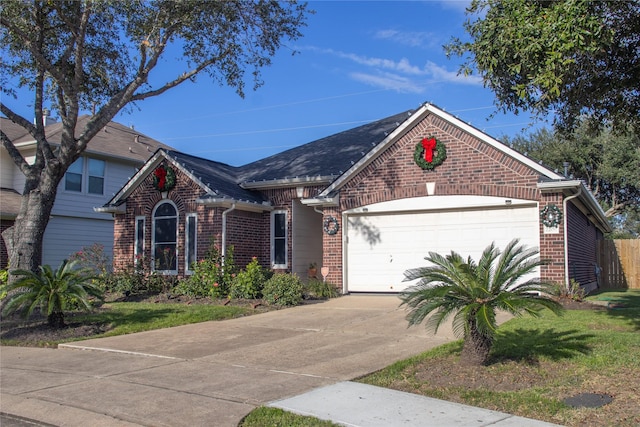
{"x": 381, "y": 246}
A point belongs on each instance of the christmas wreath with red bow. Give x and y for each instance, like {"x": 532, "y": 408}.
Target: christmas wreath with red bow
{"x": 429, "y": 153}
{"x": 164, "y": 178}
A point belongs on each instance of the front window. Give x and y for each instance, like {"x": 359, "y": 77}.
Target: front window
{"x": 85, "y": 175}
{"x": 279, "y": 239}
{"x": 165, "y": 234}
{"x": 139, "y": 244}
{"x": 73, "y": 177}
{"x": 191, "y": 237}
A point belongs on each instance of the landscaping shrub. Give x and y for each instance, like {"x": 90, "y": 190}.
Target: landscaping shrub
{"x": 51, "y": 291}
{"x": 283, "y": 289}
{"x": 318, "y": 289}
{"x": 209, "y": 278}
{"x": 249, "y": 282}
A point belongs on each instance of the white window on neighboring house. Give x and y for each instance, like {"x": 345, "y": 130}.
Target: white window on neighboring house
{"x": 85, "y": 175}
{"x": 165, "y": 236}
{"x": 139, "y": 242}
{"x": 279, "y": 239}
{"x": 191, "y": 233}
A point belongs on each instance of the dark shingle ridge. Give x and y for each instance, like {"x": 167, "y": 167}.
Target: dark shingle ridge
{"x": 332, "y": 155}
{"x": 219, "y": 177}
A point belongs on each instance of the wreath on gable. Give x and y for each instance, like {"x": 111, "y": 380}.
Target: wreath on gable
{"x": 429, "y": 153}
{"x": 551, "y": 215}
{"x": 331, "y": 226}
{"x": 164, "y": 178}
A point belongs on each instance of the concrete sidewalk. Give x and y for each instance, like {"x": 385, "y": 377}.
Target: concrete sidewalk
{"x": 214, "y": 373}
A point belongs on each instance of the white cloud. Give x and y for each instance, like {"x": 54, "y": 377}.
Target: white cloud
{"x": 400, "y": 75}
{"x": 418, "y": 39}
{"x": 388, "y": 81}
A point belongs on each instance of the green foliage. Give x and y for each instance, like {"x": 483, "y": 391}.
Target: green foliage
{"x": 283, "y": 289}
{"x": 472, "y": 292}
{"x": 136, "y": 279}
{"x": 75, "y": 56}
{"x": 567, "y": 57}
{"x": 607, "y": 162}
{"x": 51, "y": 291}
{"x": 249, "y": 282}
{"x": 209, "y": 278}
{"x": 94, "y": 259}
{"x": 574, "y": 292}
{"x": 319, "y": 289}
{"x": 4, "y": 277}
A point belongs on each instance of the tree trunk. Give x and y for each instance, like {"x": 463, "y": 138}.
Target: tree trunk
{"x": 476, "y": 348}
{"x": 56, "y": 320}
{"x": 24, "y": 238}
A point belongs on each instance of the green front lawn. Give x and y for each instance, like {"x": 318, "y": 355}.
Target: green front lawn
{"x": 537, "y": 363}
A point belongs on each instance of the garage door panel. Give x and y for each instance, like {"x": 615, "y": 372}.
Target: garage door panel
{"x": 405, "y": 239}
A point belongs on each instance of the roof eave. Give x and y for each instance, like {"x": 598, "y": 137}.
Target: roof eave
{"x": 111, "y": 209}
{"x": 227, "y": 202}
{"x": 585, "y": 196}
{"x": 288, "y": 182}
{"x": 321, "y": 201}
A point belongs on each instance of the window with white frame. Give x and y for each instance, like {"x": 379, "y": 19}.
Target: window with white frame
{"x": 85, "y": 175}
{"x": 191, "y": 233}
{"x": 165, "y": 236}
{"x": 279, "y": 239}
{"x": 138, "y": 249}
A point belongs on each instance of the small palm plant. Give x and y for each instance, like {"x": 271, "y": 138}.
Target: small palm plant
{"x": 51, "y": 291}
{"x": 473, "y": 293}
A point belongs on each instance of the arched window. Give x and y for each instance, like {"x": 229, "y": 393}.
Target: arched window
{"x": 165, "y": 235}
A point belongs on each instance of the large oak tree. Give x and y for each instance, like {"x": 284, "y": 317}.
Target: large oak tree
{"x": 572, "y": 58}
{"x": 105, "y": 55}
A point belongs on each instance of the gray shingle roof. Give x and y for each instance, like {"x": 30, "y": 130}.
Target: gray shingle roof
{"x": 332, "y": 155}
{"x": 219, "y": 177}
{"x": 114, "y": 140}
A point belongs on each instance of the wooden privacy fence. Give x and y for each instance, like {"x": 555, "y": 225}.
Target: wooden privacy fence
{"x": 620, "y": 263}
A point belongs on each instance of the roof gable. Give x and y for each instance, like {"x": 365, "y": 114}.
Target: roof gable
{"x": 114, "y": 140}
{"x": 410, "y": 122}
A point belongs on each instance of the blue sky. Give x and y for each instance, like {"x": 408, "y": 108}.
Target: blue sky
{"x": 359, "y": 61}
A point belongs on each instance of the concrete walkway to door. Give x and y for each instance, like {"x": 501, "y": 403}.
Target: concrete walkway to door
{"x": 211, "y": 373}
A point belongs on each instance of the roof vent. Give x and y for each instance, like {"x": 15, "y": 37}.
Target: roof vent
{"x": 137, "y": 139}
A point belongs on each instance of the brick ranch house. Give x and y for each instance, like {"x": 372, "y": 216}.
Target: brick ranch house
{"x": 365, "y": 204}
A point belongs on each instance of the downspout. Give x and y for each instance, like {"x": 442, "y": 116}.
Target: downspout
{"x": 566, "y": 236}
{"x": 224, "y": 233}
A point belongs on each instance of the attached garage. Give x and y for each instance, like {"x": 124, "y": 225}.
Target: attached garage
{"x": 385, "y": 239}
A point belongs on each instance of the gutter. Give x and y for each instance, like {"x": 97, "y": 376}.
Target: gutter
{"x": 287, "y": 182}
{"x": 222, "y": 202}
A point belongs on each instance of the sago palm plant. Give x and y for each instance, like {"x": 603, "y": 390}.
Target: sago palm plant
{"x": 473, "y": 292}
{"x": 51, "y": 291}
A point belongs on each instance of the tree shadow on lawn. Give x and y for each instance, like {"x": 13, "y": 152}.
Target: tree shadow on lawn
{"x": 529, "y": 345}
{"x": 622, "y": 304}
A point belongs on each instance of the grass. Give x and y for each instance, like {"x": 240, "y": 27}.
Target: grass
{"x": 119, "y": 318}
{"x": 537, "y": 363}
{"x": 274, "y": 417}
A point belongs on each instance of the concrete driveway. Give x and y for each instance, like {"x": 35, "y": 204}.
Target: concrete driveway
{"x": 211, "y": 373}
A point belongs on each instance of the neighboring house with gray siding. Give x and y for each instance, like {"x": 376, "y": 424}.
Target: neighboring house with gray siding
{"x": 111, "y": 158}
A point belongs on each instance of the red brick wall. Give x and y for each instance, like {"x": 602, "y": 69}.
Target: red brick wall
{"x": 583, "y": 237}
{"x": 472, "y": 167}
{"x": 245, "y": 230}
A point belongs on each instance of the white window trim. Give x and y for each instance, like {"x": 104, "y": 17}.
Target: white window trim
{"x": 286, "y": 239}
{"x": 84, "y": 178}
{"x": 153, "y": 239}
{"x": 187, "y": 267}
{"x": 135, "y": 240}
